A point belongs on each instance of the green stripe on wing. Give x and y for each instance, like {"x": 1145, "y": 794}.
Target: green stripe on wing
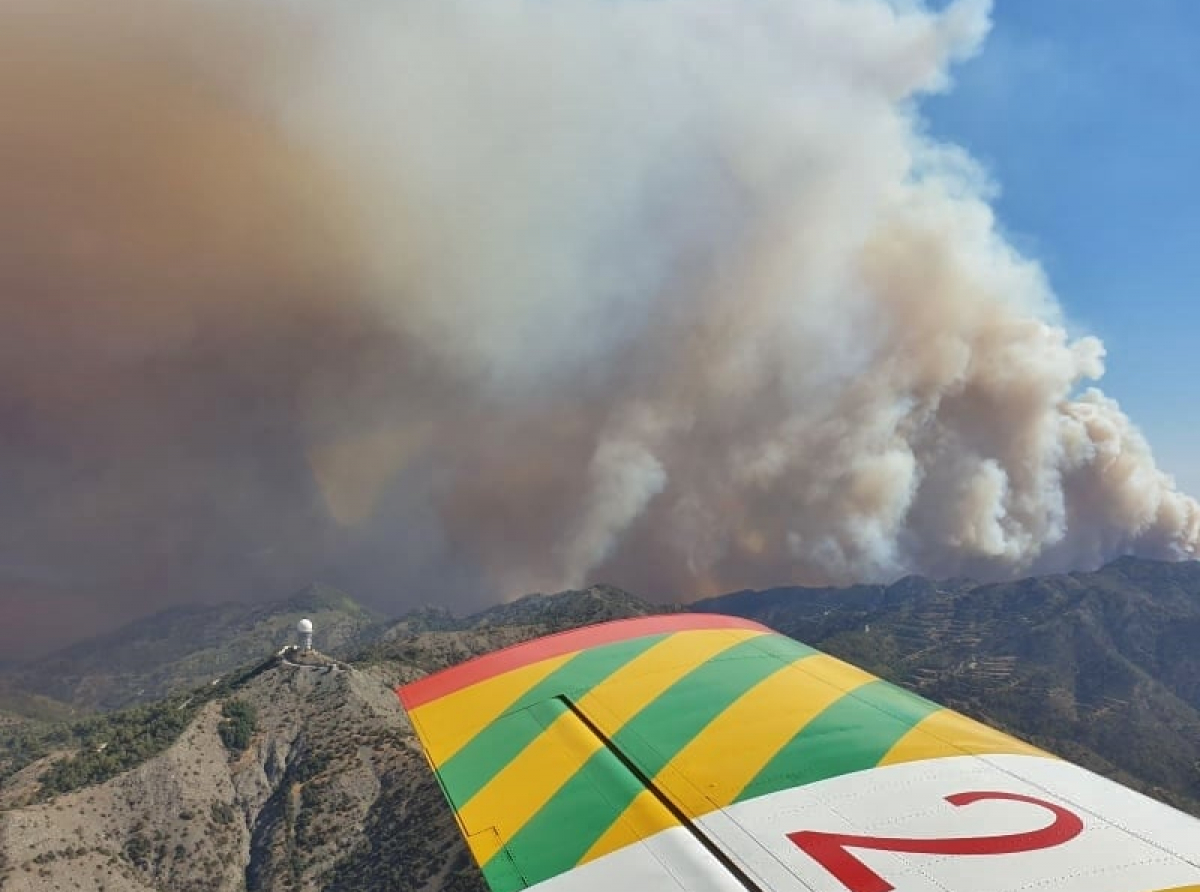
{"x": 562, "y": 832}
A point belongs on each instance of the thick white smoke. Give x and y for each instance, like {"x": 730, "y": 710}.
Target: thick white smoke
{"x": 464, "y": 299}
{"x": 722, "y": 314}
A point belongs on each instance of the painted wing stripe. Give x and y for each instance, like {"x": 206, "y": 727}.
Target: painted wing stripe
{"x": 502, "y": 875}
{"x": 854, "y": 733}
{"x": 643, "y": 680}
{"x": 554, "y": 840}
{"x": 524, "y": 785}
{"x": 561, "y": 834}
{"x": 482, "y": 758}
{"x": 946, "y": 733}
{"x": 644, "y": 817}
{"x": 528, "y": 782}
{"x": 717, "y": 765}
{"x": 449, "y": 724}
{"x": 449, "y": 681}
{"x": 672, "y": 721}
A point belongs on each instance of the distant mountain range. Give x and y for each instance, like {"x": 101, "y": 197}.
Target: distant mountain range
{"x": 184, "y": 647}
{"x": 1101, "y": 667}
{"x": 310, "y": 779}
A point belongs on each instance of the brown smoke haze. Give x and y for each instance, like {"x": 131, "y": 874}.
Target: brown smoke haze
{"x": 449, "y": 301}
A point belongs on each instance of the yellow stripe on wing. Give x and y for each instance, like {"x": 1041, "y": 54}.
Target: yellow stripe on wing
{"x": 643, "y": 680}
{"x": 946, "y": 733}
{"x": 448, "y": 723}
{"x": 644, "y": 817}
{"x": 714, "y": 768}
{"x": 528, "y": 782}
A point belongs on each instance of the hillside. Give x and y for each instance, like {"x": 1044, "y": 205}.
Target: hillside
{"x": 11, "y": 720}
{"x": 183, "y": 647}
{"x": 1102, "y": 667}
{"x": 186, "y": 646}
{"x": 415, "y": 640}
{"x": 19, "y": 704}
{"x": 280, "y": 778}
{"x": 296, "y": 778}
{"x": 310, "y": 780}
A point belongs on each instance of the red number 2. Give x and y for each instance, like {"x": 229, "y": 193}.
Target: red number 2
{"x": 830, "y": 849}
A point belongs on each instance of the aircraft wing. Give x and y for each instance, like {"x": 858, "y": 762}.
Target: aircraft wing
{"x": 705, "y": 753}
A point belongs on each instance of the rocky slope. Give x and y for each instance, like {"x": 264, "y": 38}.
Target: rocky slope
{"x": 330, "y": 772}
{"x": 327, "y": 791}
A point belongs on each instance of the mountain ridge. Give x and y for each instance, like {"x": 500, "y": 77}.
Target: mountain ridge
{"x": 1072, "y": 662}
{"x": 185, "y": 646}
{"x": 309, "y": 777}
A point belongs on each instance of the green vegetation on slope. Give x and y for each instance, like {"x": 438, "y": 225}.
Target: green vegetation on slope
{"x": 101, "y": 747}
{"x": 238, "y": 725}
{"x": 110, "y": 744}
{"x": 1102, "y": 668}
{"x": 18, "y": 705}
{"x": 409, "y": 841}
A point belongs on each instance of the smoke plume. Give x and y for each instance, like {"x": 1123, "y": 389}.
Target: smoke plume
{"x": 448, "y": 300}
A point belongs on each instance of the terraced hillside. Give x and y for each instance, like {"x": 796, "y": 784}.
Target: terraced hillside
{"x": 1102, "y": 667}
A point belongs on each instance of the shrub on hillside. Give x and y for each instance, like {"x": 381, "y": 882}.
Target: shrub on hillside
{"x": 238, "y": 725}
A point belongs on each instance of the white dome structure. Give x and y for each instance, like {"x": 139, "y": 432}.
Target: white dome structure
{"x": 305, "y": 628}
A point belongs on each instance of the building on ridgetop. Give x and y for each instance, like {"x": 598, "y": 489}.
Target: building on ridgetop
{"x": 305, "y": 629}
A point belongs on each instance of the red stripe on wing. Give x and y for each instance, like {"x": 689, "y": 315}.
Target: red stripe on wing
{"x": 440, "y": 684}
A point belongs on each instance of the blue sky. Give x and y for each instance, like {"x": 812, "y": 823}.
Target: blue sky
{"x": 1087, "y": 115}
